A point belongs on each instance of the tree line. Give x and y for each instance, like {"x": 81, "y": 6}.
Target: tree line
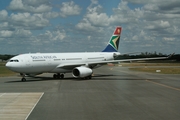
{"x": 5, "y": 57}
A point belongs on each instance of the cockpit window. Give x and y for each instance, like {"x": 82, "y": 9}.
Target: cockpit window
{"x": 13, "y": 60}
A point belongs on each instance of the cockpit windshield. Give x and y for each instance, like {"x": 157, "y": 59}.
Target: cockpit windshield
{"x": 13, "y": 60}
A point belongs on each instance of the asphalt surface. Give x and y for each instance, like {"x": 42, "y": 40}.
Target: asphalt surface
{"x": 113, "y": 93}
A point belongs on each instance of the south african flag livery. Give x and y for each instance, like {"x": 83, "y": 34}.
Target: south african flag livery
{"x": 114, "y": 41}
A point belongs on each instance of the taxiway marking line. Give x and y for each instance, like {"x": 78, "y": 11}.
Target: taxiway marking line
{"x": 34, "y": 106}
{"x": 177, "y": 89}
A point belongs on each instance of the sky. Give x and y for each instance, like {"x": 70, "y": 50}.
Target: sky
{"x": 46, "y": 26}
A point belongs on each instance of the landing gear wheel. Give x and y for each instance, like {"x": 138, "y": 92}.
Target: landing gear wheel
{"x": 62, "y": 76}
{"x": 87, "y": 78}
{"x": 58, "y": 75}
{"x": 55, "y": 76}
{"x": 90, "y": 77}
{"x": 23, "y": 79}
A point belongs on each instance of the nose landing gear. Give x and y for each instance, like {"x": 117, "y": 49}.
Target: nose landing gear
{"x": 23, "y": 77}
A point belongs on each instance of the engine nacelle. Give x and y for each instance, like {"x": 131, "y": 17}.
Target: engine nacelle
{"x": 81, "y": 72}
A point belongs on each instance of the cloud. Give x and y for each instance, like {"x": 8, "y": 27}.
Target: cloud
{"x": 28, "y": 21}
{"x": 147, "y": 25}
{"x": 156, "y": 25}
{"x": 3, "y": 25}
{"x": 36, "y": 3}
{"x": 122, "y": 14}
{"x": 55, "y": 35}
{"x": 94, "y": 18}
{"x": 6, "y": 26}
{"x": 22, "y": 33}
{"x": 32, "y": 6}
{"x": 94, "y": 1}
{"x": 69, "y": 8}
{"x": 50, "y": 15}
{"x": 6, "y": 33}
{"x": 165, "y": 7}
{"x": 85, "y": 25}
{"x": 15, "y": 34}
{"x": 168, "y": 39}
{"x": 150, "y": 23}
{"x": 4, "y": 15}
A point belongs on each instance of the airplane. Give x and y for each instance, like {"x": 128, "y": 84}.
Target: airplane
{"x": 80, "y": 64}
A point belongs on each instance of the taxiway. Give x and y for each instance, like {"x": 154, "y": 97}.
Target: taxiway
{"x": 113, "y": 93}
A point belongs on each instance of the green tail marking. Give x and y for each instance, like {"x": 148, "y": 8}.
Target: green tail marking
{"x": 114, "y": 42}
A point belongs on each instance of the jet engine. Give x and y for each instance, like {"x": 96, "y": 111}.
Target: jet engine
{"x": 82, "y": 72}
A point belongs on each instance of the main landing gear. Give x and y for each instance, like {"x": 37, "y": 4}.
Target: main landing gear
{"x": 87, "y": 78}
{"x": 58, "y": 76}
{"x": 23, "y": 79}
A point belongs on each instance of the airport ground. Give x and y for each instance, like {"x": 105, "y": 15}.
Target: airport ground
{"x": 114, "y": 92}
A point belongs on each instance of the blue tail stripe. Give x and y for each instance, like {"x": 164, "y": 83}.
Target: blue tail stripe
{"x": 109, "y": 48}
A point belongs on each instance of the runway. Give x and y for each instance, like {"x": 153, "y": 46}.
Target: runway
{"x": 113, "y": 93}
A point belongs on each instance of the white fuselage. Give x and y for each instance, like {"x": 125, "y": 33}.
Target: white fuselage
{"x": 51, "y": 62}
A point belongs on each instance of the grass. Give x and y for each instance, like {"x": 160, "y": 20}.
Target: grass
{"x": 2, "y": 64}
{"x": 4, "y": 71}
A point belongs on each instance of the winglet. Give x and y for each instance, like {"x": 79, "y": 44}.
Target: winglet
{"x": 170, "y": 55}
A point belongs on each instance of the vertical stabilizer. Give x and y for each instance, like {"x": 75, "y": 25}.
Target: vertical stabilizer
{"x": 114, "y": 41}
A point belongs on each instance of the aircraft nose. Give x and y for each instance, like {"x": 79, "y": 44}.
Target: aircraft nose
{"x": 12, "y": 66}
{"x": 9, "y": 65}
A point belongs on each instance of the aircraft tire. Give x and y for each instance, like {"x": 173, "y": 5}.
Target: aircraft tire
{"x": 90, "y": 77}
{"x": 87, "y": 78}
{"x": 23, "y": 79}
{"x": 62, "y": 76}
{"x": 54, "y": 76}
{"x": 58, "y": 75}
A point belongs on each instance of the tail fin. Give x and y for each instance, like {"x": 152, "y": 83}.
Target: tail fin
{"x": 114, "y": 41}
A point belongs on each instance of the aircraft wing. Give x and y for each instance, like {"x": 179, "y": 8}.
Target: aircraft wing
{"x": 93, "y": 64}
{"x": 125, "y": 60}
